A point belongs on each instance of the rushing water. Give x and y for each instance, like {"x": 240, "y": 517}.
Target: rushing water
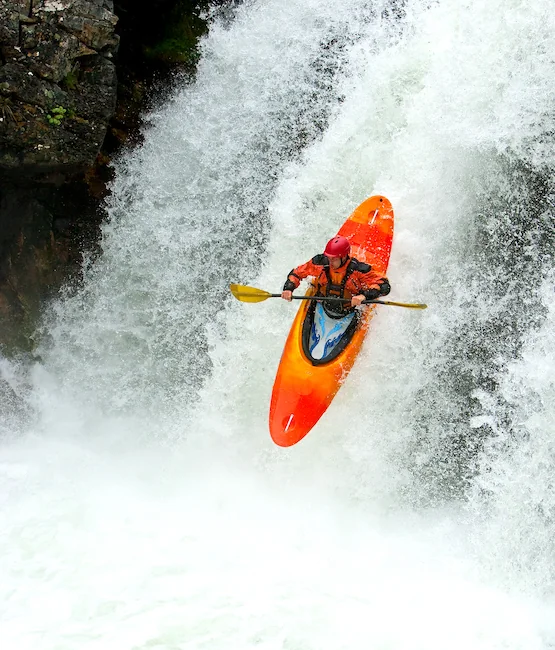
{"x": 143, "y": 504}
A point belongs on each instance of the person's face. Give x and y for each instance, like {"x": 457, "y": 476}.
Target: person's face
{"x": 335, "y": 262}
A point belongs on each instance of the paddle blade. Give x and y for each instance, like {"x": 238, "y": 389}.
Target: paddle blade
{"x": 248, "y": 294}
{"x": 404, "y": 304}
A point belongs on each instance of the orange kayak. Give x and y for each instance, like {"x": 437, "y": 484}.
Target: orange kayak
{"x": 305, "y": 386}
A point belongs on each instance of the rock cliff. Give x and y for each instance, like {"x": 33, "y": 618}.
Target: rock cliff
{"x": 57, "y": 83}
{"x": 62, "y": 114}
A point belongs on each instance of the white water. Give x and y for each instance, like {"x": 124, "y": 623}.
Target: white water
{"x": 143, "y": 504}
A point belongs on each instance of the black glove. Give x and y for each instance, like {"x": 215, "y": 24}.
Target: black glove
{"x": 371, "y": 294}
{"x": 385, "y": 287}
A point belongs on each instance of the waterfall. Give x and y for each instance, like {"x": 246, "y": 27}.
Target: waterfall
{"x": 143, "y": 502}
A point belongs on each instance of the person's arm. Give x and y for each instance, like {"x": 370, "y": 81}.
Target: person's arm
{"x": 373, "y": 285}
{"x": 379, "y": 287}
{"x": 310, "y": 269}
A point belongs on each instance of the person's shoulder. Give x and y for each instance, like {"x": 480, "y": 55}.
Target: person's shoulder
{"x": 320, "y": 260}
{"x": 361, "y": 267}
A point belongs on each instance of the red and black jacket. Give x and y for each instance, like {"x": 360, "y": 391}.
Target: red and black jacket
{"x": 350, "y": 279}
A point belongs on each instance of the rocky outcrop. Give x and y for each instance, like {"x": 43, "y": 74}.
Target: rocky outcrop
{"x": 58, "y": 90}
{"x": 57, "y": 83}
{"x": 45, "y": 226}
{"x": 59, "y": 106}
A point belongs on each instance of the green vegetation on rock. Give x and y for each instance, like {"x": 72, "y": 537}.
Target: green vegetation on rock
{"x": 70, "y": 81}
{"x": 178, "y": 41}
{"x": 56, "y": 115}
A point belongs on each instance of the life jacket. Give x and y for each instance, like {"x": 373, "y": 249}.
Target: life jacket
{"x": 337, "y": 290}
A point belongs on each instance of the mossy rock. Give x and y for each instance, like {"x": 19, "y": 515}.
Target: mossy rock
{"x": 174, "y": 50}
{"x": 179, "y": 37}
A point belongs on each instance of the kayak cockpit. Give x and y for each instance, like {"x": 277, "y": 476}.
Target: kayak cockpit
{"x": 325, "y": 337}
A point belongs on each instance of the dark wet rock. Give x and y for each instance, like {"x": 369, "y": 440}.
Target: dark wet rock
{"x": 63, "y": 113}
{"x": 91, "y": 21}
{"x": 58, "y": 83}
{"x": 58, "y": 92}
{"x": 44, "y": 228}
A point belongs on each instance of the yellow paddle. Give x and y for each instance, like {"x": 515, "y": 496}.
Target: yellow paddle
{"x": 250, "y": 294}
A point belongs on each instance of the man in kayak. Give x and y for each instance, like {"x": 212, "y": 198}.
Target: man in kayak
{"x": 338, "y": 275}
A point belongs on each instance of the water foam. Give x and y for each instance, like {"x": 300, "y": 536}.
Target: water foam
{"x": 140, "y": 512}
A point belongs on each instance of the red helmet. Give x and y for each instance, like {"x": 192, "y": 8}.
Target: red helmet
{"x": 338, "y": 247}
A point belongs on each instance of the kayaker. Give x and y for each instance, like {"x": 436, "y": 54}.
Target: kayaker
{"x": 339, "y": 275}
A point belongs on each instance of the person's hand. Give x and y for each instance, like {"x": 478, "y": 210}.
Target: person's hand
{"x": 287, "y": 295}
{"x": 357, "y": 300}
{"x": 372, "y": 294}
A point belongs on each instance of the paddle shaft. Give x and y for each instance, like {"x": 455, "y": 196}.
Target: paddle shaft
{"x": 251, "y": 294}
{"x": 322, "y": 298}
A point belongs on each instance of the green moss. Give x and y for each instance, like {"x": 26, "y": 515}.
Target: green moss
{"x": 173, "y": 50}
{"x": 178, "y": 42}
{"x": 70, "y": 81}
{"x": 56, "y": 115}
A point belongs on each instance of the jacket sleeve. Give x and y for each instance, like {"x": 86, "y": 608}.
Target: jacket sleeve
{"x": 373, "y": 285}
{"x": 310, "y": 269}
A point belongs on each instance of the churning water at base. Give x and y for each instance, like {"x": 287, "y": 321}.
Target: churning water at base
{"x": 143, "y": 504}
